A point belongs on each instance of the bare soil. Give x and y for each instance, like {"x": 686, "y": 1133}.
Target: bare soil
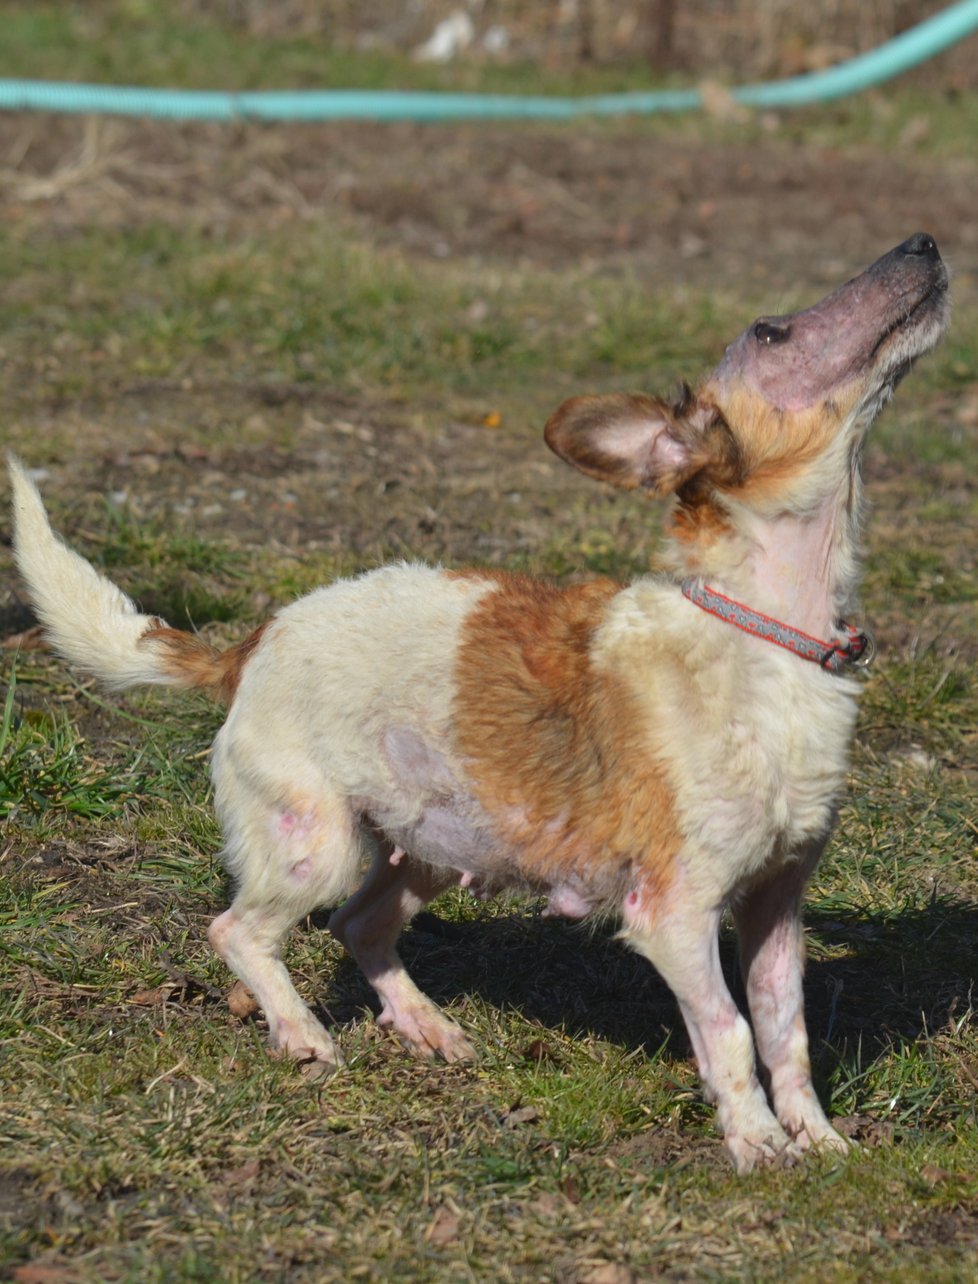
{"x": 627, "y": 201}
{"x": 626, "y": 198}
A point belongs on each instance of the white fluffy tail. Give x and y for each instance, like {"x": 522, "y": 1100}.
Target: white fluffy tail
{"x": 89, "y": 621}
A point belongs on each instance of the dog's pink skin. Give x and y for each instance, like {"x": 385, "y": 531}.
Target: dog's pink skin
{"x": 565, "y": 901}
{"x": 475, "y": 885}
{"x": 791, "y": 569}
{"x": 772, "y": 955}
{"x": 833, "y": 341}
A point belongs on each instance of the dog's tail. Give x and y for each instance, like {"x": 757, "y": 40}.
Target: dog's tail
{"x": 94, "y": 626}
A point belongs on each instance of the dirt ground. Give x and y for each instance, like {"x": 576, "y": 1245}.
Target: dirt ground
{"x": 630, "y": 201}
{"x": 630, "y": 198}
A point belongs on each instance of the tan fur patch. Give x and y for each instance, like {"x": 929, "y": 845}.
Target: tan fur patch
{"x": 195, "y": 663}
{"x": 774, "y": 449}
{"x": 554, "y": 747}
{"x": 779, "y": 445}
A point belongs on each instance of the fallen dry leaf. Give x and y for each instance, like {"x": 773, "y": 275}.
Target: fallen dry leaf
{"x": 243, "y": 1175}
{"x": 547, "y": 1204}
{"x": 537, "y": 1052}
{"x": 45, "y": 1273}
{"x": 443, "y": 1229}
{"x": 609, "y": 1273}
{"x": 865, "y": 1130}
{"x": 314, "y": 1070}
{"x": 31, "y": 639}
{"x": 241, "y": 1001}
{"x": 516, "y": 1115}
{"x": 150, "y": 998}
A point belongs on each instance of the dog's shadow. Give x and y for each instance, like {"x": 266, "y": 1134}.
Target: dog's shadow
{"x": 872, "y": 979}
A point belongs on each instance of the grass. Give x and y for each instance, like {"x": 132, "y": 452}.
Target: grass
{"x": 44, "y": 768}
{"x": 168, "y": 45}
{"x": 145, "y": 1133}
{"x": 174, "y": 45}
{"x": 193, "y": 305}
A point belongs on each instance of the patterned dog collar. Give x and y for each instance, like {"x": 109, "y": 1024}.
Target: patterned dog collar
{"x": 833, "y": 656}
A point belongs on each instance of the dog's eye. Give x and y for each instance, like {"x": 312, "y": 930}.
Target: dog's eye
{"x": 767, "y": 333}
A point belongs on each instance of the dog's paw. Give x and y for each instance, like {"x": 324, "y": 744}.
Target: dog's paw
{"x": 427, "y": 1032}
{"x": 824, "y": 1140}
{"x": 306, "y": 1042}
{"x": 776, "y": 1150}
{"x": 803, "y": 1118}
{"x": 454, "y": 1046}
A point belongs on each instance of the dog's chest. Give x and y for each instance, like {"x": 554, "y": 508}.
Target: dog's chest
{"x": 766, "y": 781}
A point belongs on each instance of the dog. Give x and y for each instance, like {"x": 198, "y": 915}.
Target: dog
{"x": 664, "y": 751}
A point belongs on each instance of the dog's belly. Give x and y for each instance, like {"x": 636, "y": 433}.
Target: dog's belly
{"x": 449, "y": 829}
{"x": 444, "y": 835}
{"x": 733, "y": 826}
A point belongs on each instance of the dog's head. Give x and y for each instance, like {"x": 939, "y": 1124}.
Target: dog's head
{"x": 790, "y": 402}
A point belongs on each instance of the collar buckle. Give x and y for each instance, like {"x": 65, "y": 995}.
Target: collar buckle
{"x": 862, "y": 650}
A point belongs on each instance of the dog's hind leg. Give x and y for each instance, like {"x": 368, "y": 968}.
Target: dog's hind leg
{"x": 771, "y": 958}
{"x": 369, "y": 925}
{"x": 249, "y": 939}
{"x": 680, "y": 937}
{"x": 288, "y": 861}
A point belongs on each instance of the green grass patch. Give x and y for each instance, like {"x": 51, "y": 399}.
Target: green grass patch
{"x": 309, "y": 306}
{"x": 187, "y": 580}
{"x": 45, "y": 769}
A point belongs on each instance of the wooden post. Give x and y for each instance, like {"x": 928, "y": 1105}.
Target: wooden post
{"x": 662, "y": 34}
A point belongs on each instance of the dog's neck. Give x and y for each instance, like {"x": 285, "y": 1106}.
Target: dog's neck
{"x": 800, "y": 569}
{"x": 793, "y": 572}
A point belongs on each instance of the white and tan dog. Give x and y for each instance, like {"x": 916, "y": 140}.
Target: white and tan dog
{"x": 662, "y": 751}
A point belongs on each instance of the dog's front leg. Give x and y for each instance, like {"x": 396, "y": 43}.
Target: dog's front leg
{"x": 680, "y": 937}
{"x": 772, "y": 960}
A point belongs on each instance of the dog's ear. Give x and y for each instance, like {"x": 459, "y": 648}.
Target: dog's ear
{"x": 630, "y": 440}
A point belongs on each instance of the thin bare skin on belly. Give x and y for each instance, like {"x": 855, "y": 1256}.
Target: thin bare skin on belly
{"x": 454, "y": 832}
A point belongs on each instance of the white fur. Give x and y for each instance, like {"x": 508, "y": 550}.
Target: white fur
{"x": 87, "y": 619}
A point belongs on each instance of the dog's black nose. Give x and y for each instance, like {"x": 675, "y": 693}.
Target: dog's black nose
{"x": 921, "y": 245}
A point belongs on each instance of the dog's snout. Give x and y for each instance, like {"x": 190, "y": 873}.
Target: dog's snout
{"x": 920, "y": 245}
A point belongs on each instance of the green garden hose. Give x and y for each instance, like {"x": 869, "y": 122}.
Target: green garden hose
{"x": 907, "y": 50}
